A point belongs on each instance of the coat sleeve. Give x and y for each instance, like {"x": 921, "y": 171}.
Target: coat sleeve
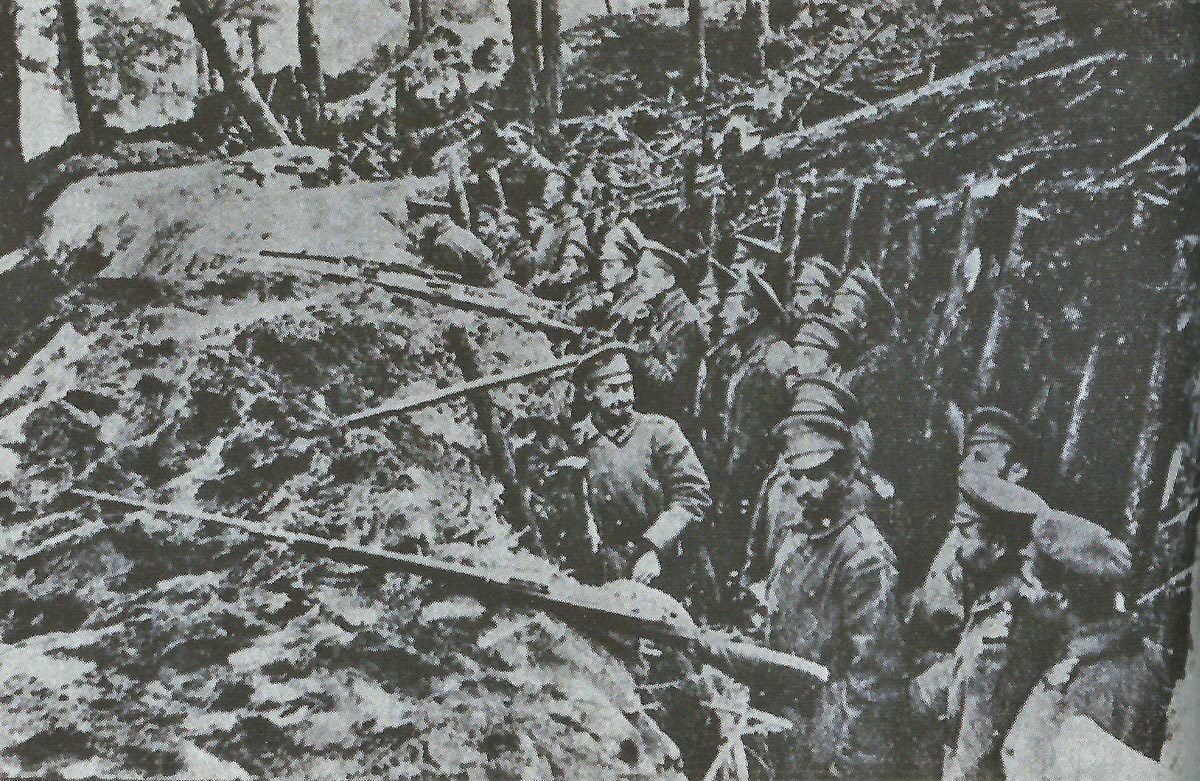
{"x": 683, "y": 481}
{"x": 864, "y": 703}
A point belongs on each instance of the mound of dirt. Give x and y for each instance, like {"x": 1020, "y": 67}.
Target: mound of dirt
{"x": 183, "y": 368}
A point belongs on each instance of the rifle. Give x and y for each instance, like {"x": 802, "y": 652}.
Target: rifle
{"x": 567, "y": 600}
{"x": 405, "y": 404}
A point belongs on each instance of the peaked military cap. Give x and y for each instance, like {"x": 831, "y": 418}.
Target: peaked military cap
{"x": 824, "y": 333}
{"x": 860, "y": 302}
{"x": 992, "y": 424}
{"x": 1083, "y": 548}
{"x": 817, "y": 395}
{"x": 808, "y": 441}
{"x": 999, "y": 500}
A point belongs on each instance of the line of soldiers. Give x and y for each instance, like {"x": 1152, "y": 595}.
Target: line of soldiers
{"x": 1017, "y": 627}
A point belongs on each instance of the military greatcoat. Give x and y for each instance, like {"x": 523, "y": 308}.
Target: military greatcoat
{"x": 831, "y": 597}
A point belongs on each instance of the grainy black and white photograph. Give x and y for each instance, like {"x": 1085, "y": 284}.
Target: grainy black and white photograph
{"x": 541, "y": 390}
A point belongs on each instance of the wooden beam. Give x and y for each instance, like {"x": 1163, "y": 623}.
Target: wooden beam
{"x": 783, "y": 145}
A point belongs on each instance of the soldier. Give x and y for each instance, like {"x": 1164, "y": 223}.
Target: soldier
{"x": 641, "y": 482}
{"x": 1007, "y": 641}
{"x": 830, "y": 596}
{"x": 995, "y": 443}
{"x": 1108, "y": 672}
{"x": 861, "y": 306}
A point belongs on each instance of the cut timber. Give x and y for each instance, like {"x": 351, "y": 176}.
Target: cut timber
{"x": 516, "y": 491}
{"x": 490, "y": 382}
{"x": 783, "y": 145}
{"x": 238, "y": 85}
{"x": 511, "y": 305}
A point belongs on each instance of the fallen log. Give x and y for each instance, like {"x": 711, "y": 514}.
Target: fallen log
{"x": 781, "y": 146}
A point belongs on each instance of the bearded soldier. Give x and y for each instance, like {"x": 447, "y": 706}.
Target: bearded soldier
{"x": 995, "y": 443}
{"x": 1009, "y": 637}
{"x": 829, "y": 595}
{"x": 641, "y": 484}
{"x": 1108, "y": 672}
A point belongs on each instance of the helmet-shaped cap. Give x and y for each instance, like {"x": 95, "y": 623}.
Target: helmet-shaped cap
{"x": 605, "y": 364}
{"x": 992, "y": 424}
{"x": 821, "y": 395}
{"x": 861, "y": 305}
{"x": 823, "y": 333}
{"x": 816, "y": 272}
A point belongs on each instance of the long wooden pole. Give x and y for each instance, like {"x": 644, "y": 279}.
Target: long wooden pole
{"x": 516, "y": 491}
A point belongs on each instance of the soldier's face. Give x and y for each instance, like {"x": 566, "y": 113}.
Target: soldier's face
{"x": 978, "y": 551}
{"x": 811, "y": 493}
{"x": 612, "y": 400}
{"x": 805, "y": 298}
{"x": 987, "y": 457}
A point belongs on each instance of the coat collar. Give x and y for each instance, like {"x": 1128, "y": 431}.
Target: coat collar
{"x": 586, "y": 431}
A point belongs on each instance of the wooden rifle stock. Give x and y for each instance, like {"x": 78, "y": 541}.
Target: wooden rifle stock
{"x": 566, "y": 600}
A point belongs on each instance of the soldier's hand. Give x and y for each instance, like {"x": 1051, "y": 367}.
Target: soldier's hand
{"x": 647, "y": 567}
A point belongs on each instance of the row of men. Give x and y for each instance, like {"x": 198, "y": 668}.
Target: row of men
{"x": 1013, "y": 578}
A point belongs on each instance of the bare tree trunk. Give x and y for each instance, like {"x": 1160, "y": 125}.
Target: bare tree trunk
{"x": 782, "y": 273}
{"x": 201, "y": 71}
{"x": 1150, "y": 428}
{"x": 1004, "y": 301}
{"x": 516, "y": 494}
{"x": 524, "y": 73}
{"x": 856, "y": 198}
{"x": 883, "y": 239}
{"x": 241, "y": 90}
{"x": 552, "y": 67}
{"x": 699, "y": 74}
{"x": 1071, "y": 440}
{"x": 755, "y": 25}
{"x": 311, "y": 75}
{"x": 72, "y": 49}
{"x": 12, "y": 152}
{"x": 416, "y": 31}
{"x": 912, "y": 252}
{"x": 256, "y": 49}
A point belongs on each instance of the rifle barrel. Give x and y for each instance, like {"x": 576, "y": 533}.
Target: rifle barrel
{"x": 740, "y": 656}
{"x": 490, "y": 382}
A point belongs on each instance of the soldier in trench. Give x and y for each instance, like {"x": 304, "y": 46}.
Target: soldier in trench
{"x": 641, "y": 485}
{"x": 1108, "y": 672}
{"x": 1012, "y": 629}
{"x": 829, "y": 594}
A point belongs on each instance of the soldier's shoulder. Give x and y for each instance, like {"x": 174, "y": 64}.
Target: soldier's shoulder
{"x": 659, "y": 424}
{"x": 865, "y": 544}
